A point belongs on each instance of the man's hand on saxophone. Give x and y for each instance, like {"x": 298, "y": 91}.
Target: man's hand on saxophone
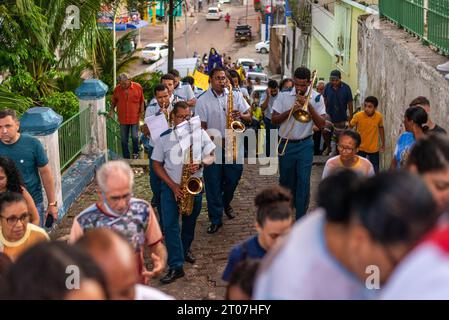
{"x": 193, "y": 167}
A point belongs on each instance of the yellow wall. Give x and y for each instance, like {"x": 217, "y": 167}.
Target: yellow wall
{"x": 320, "y": 60}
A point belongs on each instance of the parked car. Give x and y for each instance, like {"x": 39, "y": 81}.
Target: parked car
{"x": 154, "y": 51}
{"x": 246, "y": 63}
{"x": 263, "y": 47}
{"x": 243, "y": 32}
{"x": 213, "y": 13}
{"x": 224, "y": 1}
{"x": 253, "y": 75}
{"x": 261, "y": 89}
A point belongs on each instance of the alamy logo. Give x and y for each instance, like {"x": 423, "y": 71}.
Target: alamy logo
{"x": 72, "y": 18}
{"x": 373, "y": 280}
{"x": 72, "y": 282}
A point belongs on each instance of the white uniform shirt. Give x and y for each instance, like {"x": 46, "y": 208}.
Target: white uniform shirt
{"x": 154, "y": 109}
{"x": 168, "y": 150}
{"x": 212, "y": 108}
{"x": 148, "y": 293}
{"x": 269, "y": 110}
{"x": 285, "y": 102}
{"x": 302, "y": 268}
{"x": 184, "y": 91}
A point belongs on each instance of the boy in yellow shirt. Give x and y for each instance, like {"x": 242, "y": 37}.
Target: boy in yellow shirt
{"x": 369, "y": 124}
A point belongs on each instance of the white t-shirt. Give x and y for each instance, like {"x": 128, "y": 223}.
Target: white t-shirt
{"x": 149, "y": 293}
{"x": 303, "y": 269}
{"x": 424, "y": 273}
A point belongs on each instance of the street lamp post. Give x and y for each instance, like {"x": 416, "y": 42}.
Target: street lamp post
{"x": 170, "y": 34}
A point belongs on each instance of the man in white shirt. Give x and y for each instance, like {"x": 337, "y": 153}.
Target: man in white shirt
{"x": 183, "y": 91}
{"x": 295, "y": 165}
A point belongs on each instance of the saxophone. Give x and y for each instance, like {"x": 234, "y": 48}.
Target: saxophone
{"x": 190, "y": 186}
{"x": 233, "y": 126}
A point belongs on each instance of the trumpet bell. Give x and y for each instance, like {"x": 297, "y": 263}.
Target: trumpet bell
{"x": 194, "y": 186}
{"x": 237, "y": 126}
{"x": 302, "y": 116}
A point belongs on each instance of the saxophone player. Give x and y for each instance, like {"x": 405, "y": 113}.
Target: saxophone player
{"x": 295, "y": 165}
{"x": 221, "y": 179}
{"x": 169, "y": 168}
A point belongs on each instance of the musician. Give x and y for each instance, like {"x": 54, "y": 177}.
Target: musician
{"x": 221, "y": 179}
{"x": 161, "y": 104}
{"x": 168, "y": 80}
{"x": 295, "y": 166}
{"x": 169, "y": 168}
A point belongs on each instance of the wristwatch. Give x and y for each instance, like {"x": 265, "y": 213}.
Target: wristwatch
{"x": 53, "y": 204}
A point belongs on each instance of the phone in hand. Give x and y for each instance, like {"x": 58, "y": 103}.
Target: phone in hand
{"x": 49, "y": 221}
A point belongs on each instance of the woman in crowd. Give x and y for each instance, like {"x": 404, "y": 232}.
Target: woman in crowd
{"x": 16, "y": 233}
{"x": 11, "y": 180}
{"x": 415, "y": 119}
{"x": 312, "y": 262}
{"x": 286, "y": 84}
{"x": 51, "y": 271}
{"x": 214, "y": 60}
{"x": 393, "y": 211}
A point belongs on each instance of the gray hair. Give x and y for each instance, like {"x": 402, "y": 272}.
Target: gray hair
{"x": 110, "y": 169}
{"x": 321, "y": 82}
{"x": 123, "y": 77}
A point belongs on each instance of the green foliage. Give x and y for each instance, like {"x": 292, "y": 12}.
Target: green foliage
{"x": 64, "y": 103}
{"x": 148, "y": 81}
{"x": 14, "y": 101}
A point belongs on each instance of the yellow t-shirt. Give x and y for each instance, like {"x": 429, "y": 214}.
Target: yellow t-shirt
{"x": 368, "y": 128}
{"x": 33, "y": 235}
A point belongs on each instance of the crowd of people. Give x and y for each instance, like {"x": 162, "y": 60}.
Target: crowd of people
{"x": 374, "y": 234}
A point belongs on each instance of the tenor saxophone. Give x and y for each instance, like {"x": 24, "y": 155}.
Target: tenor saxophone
{"x": 232, "y": 126}
{"x": 190, "y": 186}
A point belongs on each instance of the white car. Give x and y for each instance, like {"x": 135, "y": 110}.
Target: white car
{"x": 253, "y": 75}
{"x": 246, "y": 63}
{"x": 213, "y": 13}
{"x": 154, "y": 51}
{"x": 263, "y": 47}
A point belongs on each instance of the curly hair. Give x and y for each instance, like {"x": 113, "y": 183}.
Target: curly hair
{"x": 13, "y": 176}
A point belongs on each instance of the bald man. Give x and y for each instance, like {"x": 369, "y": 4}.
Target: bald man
{"x": 115, "y": 257}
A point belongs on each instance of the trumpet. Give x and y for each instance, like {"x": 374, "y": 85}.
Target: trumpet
{"x": 301, "y": 115}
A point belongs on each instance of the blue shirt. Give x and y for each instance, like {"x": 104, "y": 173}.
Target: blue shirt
{"x": 28, "y": 154}
{"x": 337, "y": 101}
{"x": 403, "y": 147}
{"x": 251, "y": 249}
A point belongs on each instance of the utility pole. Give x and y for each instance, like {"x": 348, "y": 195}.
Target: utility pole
{"x": 272, "y": 13}
{"x": 186, "y": 30}
{"x": 170, "y": 34}
{"x": 114, "y": 45}
{"x": 247, "y": 11}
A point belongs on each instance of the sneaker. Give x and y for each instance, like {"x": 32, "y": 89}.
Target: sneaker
{"x": 443, "y": 67}
{"x": 446, "y": 77}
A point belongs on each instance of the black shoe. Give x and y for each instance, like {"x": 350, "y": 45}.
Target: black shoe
{"x": 229, "y": 212}
{"x": 190, "y": 258}
{"x": 214, "y": 228}
{"x": 172, "y": 275}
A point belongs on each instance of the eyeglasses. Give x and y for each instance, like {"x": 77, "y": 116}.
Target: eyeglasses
{"x": 343, "y": 148}
{"x": 116, "y": 199}
{"x": 12, "y": 221}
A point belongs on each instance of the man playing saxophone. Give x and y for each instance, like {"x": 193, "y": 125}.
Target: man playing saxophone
{"x": 296, "y": 155}
{"x": 221, "y": 179}
{"x": 168, "y": 163}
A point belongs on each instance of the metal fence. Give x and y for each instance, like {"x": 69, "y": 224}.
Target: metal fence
{"x": 113, "y": 133}
{"x": 428, "y": 19}
{"x": 74, "y": 134}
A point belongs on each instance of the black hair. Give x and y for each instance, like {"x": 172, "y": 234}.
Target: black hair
{"x": 395, "y": 207}
{"x": 420, "y": 101}
{"x": 302, "y": 73}
{"x": 373, "y": 100}
{"x": 431, "y": 153}
{"x": 168, "y": 76}
{"x": 244, "y": 276}
{"x": 8, "y": 112}
{"x": 215, "y": 70}
{"x": 352, "y": 134}
{"x": 272, "y": 84}
{"x": 274, "y": 203}
{"x": 179, "y": 105}
{"x": 7, "y": 198}
{"x": 40, "y": 273}
{"x": 174, "y": 72}
{"x": 418, "y": 115}
{"x": 13, "y": 176}
{"x": 189, "y": 80}
{"x": 235, "y": 74}
{"x": 284, "y": 81}
{"x": 335, "y": 193}
{"x": 159, "y": 87}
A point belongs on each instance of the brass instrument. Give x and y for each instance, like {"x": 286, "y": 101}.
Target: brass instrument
{"x": 235, "y": 125}
{"x": 301, "y": 115}
{"x": 190, "y": 186}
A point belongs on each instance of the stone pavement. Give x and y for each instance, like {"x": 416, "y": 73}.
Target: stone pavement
{"x": 203, "y": 279}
